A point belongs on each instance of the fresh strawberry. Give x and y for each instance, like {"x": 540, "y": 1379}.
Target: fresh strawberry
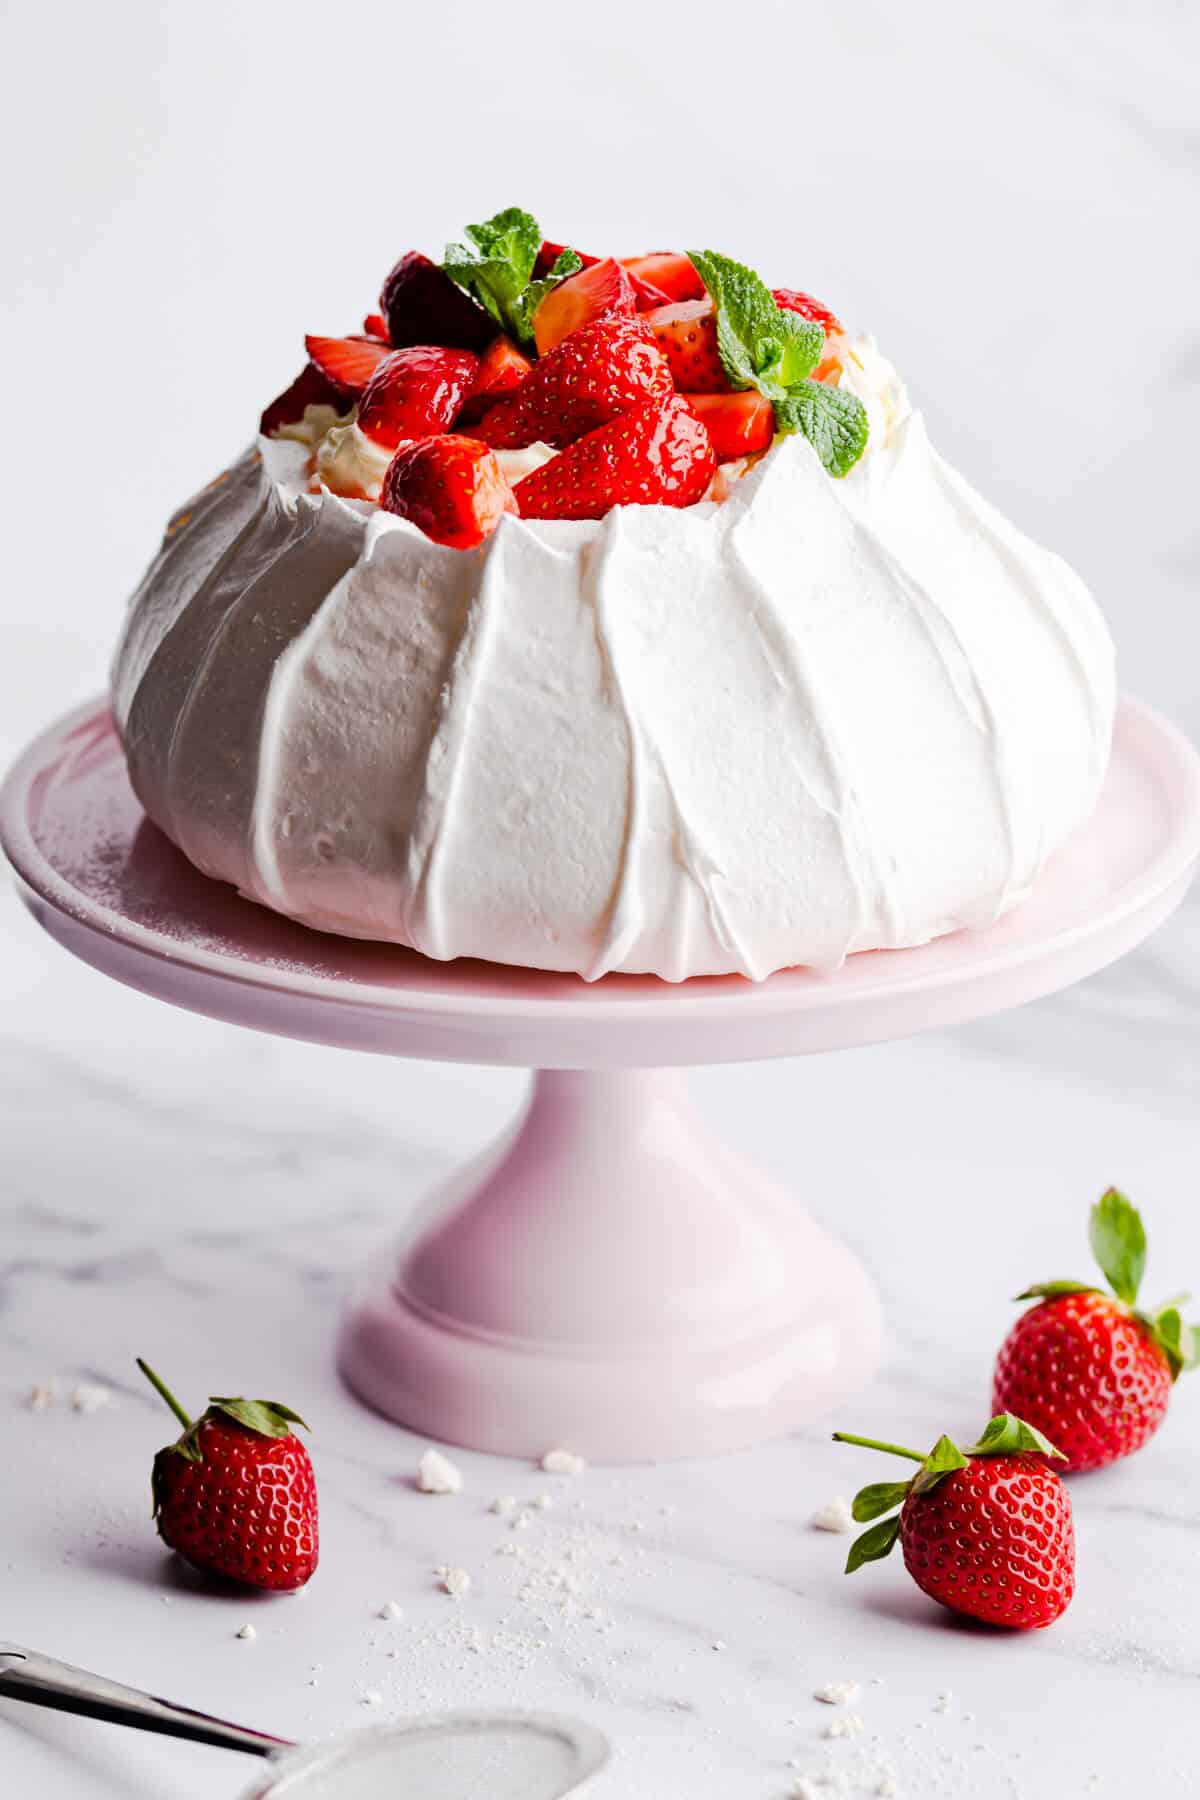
{"x": 415, "y": 392}
{"x": 597, "y": 373}
{"x": 671, "y": 275}
{"x": 658, "y": 455}
{"x": 451, "y": 487}
{"x": 348, "y": 362}
{"x": 423, "y": 306}
{"x": 601, "y": 291}
{"x": 986, "y": 1531}
{"x": 686, "y": 333}
{"x": 235, "y": 1494}
{"x": 549, "y": 254}
{"x": 310, "y": 388}
{"x": 738, "y": 424}
{"x": 502, "y": 367}
{"x": 792, "y": 300}
{"x": 375, "y": 326}
{"x": 644, "y": 295}
{"x": 1088, "y": 1368}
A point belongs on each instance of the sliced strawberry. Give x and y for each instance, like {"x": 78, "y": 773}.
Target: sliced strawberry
{"x": 502, "y": 367}
{"x": 673, "y": 276}
{"x": 375, "y": 326}
{"x": 549, "y": 254}
{"x": 451, "y": 487}
{"x": 686, "y": 333}
{"x": 658, "y": 455}
{"x": 310, "y": 388}
{"x": 423, "y": 306}
{"x": 348, "y": 362}
{"x": 792, "y": 300}
{"x": 598, "y": 372}
{"x": 601, "y": 291}
{"x": 644, "y": 295}
{"x": 415, "y": 392}
{"x": 738, "y": 424}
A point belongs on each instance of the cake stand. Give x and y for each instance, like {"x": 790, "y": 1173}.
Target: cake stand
{"x": 609, "y": 1275}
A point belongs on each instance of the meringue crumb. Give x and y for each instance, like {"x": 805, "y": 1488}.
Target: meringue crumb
{"x": 886, "y": 1788}
{"x": 720, "y": 1644}
{"x": 837, "y": 1693}
{"x": 391, "y": 1609}
{"x": 41, "y": 1395}
{"x": 436, "y": 1474}
{"x": 835, "y": 1515}
{"x": 503, "y": 1503}
{"x": 563, "y": 1462}
{"x": 849, "y": 1725}
{"x": 543, "y": 1502}
{"x": 248, "y": 1632}
{"x": 455, "y": 1582}
{"x": 942, "y": 1703}
{"x": 372, "y": 1697}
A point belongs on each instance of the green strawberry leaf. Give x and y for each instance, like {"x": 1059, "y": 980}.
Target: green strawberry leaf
{"x": 1053, "y": 1290}
{"x": 834, "y": 422}
{"x": 269, "y": 1418}
{"x": 495, "y": 266}
{"x": 1118, "y": 1240}
{"x": 879, "y": 1497}
{"x": 1178, "y": 1341}
{"x": 761, "y": 345}
{"x": 1006, "y": 1435}
{"x": 873, "y": 1545}
{"x": 942, "y": 1460}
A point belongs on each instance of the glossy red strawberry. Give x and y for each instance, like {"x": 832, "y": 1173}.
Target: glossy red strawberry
{"x": 451, "y": 487}
{"x": 235, "y": 1494}
{"x": 375, "y": 326}
{"x": 986, "y": 1531}
{"x": 347, "y": 363}
{"x": 415, "y": 392}
{"x": 1089, "y": 1368}
{"x": 686, "y": 333}
{"x": 502, "y": 367}
{"x": 792, "y": 300}
{"x": 601, "y": 291}
{"x": 658, "y": 455}
{"x": 738, "y": 424}
{"x": 593, "y": 376}
{"x": 310, "y": 388}
{"x": 673, "y": 275}
{"x": 421, "y": 305}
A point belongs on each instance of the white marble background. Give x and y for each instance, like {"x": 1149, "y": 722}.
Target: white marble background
{"x": 1007, "y": 195}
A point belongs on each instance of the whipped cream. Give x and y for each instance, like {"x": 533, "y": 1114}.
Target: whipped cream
{"x": 820, "y": 717}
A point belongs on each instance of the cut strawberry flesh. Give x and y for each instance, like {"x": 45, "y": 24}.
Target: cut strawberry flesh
{"x": 792, "y": 300}
{"x": 375, "y": 326}
{"x": 423, "y": 306}
{"x": 415, "y": 392}
{"x": 502, "y": 367}
{"x": 601, "y": 291}
{"x": 658, "y": 455}
{"x": 347, "y": 363}
{"x": 595, "y": 374}
{"x": 549, "y": 254}
{"x": 686, "y": 333}
{"x": 452, "y": 488}
{"x": 738, "y": 424}
{"x": 668, "y": 273}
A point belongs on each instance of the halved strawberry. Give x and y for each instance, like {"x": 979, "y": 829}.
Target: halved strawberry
{"x": 310, "y": 388}
{"x": 792, "y": 300}
{"x": 375, "y": 326}
{"x": 348, "y": 362}
{"x": 598, "y": 372}
{"x": 451, "y": 487}
{"x": 686, "y": 333}
{"x": 601, "y": 291}
{"x": 672, "y": 275}
{"x": 738, "y": 424}
{"x": 502, "y": 367}
{"x": 549, "y": 254}
{"x": 644, "y": 295}
{"x": 423, "y": 306}
{"x": 415, "y": 392}
{"x": 658, "y": 455}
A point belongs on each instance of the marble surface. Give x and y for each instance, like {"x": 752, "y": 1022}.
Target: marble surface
{"x": 1001, "y": 193}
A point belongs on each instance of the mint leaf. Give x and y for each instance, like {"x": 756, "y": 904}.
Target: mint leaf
{"x": 268, "y": 1417}
{"x": 874, "y": 1544}
{"x": 834, "y": 422}
{"x": 1006, "y": 1435}
{"x": 1118, "y": 1240}
{"x": 1053, "y": 1290}
{"x": 761, "y": 345}
{"x": 880, "y": 1497}
{"x": 495, "y": 266}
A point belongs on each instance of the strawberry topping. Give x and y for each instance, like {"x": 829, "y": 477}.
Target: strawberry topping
{"x": 423, "y": 306}
{"x": 792, "y": 300}
{"x": 375, "y": 326}
{"x": 601, "y": 291}
{"x": 667, "y": 273}
{"x": 502, "y": 367}
{"x": 686, "y": 333}
{"x": 658, "y": 455}
{"x": 310, "y": 388}
{"x": 738, "y": 424}
{"x": 452, "y": 488}
{"x": 415, "y": 392}
{"x": 597, "y": 373}
{"x": 347, "y": 363}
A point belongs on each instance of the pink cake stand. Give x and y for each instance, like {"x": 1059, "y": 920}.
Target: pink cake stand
{"x": 609, "y": 1275}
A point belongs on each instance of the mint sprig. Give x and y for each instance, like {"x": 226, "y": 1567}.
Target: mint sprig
{"x": 1005, "y": 1435}
{"x": 764, "y": 346}
{"x": 496, "y": 267}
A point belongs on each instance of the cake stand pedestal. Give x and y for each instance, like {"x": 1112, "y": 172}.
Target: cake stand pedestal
{"x": 609, "y": 1276}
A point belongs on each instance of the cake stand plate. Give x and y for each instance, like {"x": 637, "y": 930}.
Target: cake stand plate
{"x": 609, "y": 1275}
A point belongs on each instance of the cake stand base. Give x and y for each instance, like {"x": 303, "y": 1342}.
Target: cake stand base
{"x": 610, "y": 1277}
